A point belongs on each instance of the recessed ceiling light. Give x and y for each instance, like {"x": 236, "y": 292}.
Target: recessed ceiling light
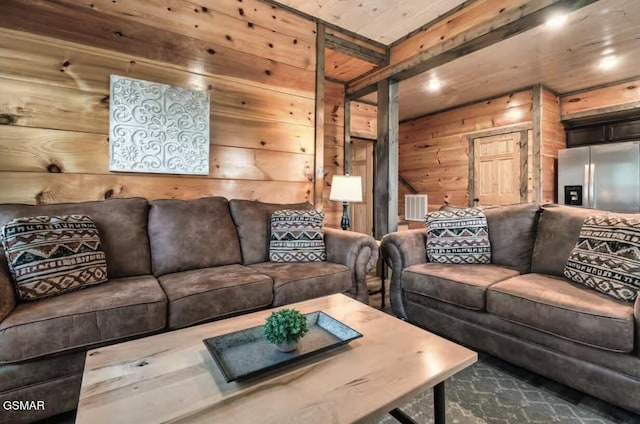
{"x": 514, "y": 114}
{"x": 608, "y": 62}
{"x": 434, "y": 84}
{"x": 557, "y": 20}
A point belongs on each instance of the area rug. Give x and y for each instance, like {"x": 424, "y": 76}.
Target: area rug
{"x": 493, "y": 392}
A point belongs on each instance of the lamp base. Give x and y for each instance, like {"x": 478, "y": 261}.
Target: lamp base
{"x": 345, "y": 216}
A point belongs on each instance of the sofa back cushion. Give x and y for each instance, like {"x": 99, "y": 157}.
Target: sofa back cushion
{"x": 122, "y": 224}
{"x": 558, "y": 231}
{"x": 512, "y": 232}
{"x": 253, "y": 221}
{"x": 192, "y": 234}
{"x": 52, "y": 255}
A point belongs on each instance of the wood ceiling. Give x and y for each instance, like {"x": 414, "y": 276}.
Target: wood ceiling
{"x": 342, "y": 67}
{"x": 563, "y": 59}
{"x": 384, "y": 21}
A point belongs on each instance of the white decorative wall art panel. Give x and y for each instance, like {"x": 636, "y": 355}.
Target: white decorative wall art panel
{"x": 157, "y": 128}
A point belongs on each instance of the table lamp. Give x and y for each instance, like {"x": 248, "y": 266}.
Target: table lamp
{"x": 346, "y": 188}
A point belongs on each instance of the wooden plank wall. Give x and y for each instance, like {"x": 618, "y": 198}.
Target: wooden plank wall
{"x": 258, "y": 62}
{"x": 434, "y": 150}
{"x": 617, "y": 97}
{"x": 333, "y": 148}
{"x": 363, "y": 125}
{"x": 553, "y": 138}
{"x": 364, "y": 120}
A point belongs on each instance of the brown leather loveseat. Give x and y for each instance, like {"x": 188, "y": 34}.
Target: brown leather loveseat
{"x": 520, "y": 307}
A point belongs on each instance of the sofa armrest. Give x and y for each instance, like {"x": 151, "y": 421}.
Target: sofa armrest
{"x": 401, "y": 250}
{"x": 7, "y": 297}
{"x": 357, "y": 251}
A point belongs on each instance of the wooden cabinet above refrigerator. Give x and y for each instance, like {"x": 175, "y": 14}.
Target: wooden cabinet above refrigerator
{"x": 601, "y": 133}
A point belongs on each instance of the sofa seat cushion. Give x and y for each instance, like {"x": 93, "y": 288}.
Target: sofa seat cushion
{"x": 205, "y": 294}
{"x": 294, "y": 282}
{"x": 113, "y": 311}
{"x": 557, "y": 306}
{"x": 460, "y": 284}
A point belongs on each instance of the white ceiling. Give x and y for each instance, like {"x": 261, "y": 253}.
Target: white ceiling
{"x": 380, "y": 20}
{"x": 564, "y": 59}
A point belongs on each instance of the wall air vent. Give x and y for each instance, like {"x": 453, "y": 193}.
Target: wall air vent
{"x": 415, "y": 207}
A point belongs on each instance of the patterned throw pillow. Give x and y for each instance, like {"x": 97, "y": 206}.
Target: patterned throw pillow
{"x": 458, "y": 236}
{"x": 49, "y": 256}
{"x": 296, "y": 236}
{"x": 607, "y": 256}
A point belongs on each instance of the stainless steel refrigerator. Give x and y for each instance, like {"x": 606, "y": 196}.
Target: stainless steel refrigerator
{"x": 605, "y": 177}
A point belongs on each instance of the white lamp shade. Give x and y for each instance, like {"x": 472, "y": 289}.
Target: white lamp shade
{"x": 346, "y": 188}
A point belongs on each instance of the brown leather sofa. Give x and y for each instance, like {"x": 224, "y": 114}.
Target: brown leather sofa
{"x": 171, "y": 264}
{"x": 520, "y": 307}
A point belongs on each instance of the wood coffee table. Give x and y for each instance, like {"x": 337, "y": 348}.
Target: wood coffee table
{"x": 171, "y": 377}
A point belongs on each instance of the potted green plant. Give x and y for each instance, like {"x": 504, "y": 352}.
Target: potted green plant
{"x": 284, "y": 328}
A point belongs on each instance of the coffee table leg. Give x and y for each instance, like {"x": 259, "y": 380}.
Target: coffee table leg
{"x": 439, "y": 408}
{"x": 401, "y": 417}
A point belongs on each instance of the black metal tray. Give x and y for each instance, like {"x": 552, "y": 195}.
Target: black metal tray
{"x": 247, "y": 353}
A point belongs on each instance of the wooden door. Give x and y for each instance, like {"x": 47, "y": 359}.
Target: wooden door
{"x": 361, "y": 214}
{"x": 496, "y": 170}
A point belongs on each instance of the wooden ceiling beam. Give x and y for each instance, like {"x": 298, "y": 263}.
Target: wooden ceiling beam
{"x": 335, "y": 43}
{"x": 444, "y": 17}
{"x": 355, "y": 95}
{"x": 528, "y": 15}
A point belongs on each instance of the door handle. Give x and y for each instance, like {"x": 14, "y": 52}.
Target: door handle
{"x": 586, "y": 187}
{"x": 592, "y": 185}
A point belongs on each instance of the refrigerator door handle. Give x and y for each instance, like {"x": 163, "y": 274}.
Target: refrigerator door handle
{"x": 592, "y": 186}
{"x": 586, "y": 187}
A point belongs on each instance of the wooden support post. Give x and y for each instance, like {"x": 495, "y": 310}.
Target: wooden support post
{"x": 347, "y": 135}
{"x": 386, "y": 166}
{"x": 318, "y": 184}
{"x": 537, "y": 143}
{"x": 472, "y": 172}
{"x": 524, "y": 166}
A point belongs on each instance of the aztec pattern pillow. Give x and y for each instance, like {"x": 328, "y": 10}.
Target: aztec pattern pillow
{"x": 458, "y": 236}
{"x": 49, "y": 256}
{"x": 296, "y": 236}
{"x": 607, "y": 256}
